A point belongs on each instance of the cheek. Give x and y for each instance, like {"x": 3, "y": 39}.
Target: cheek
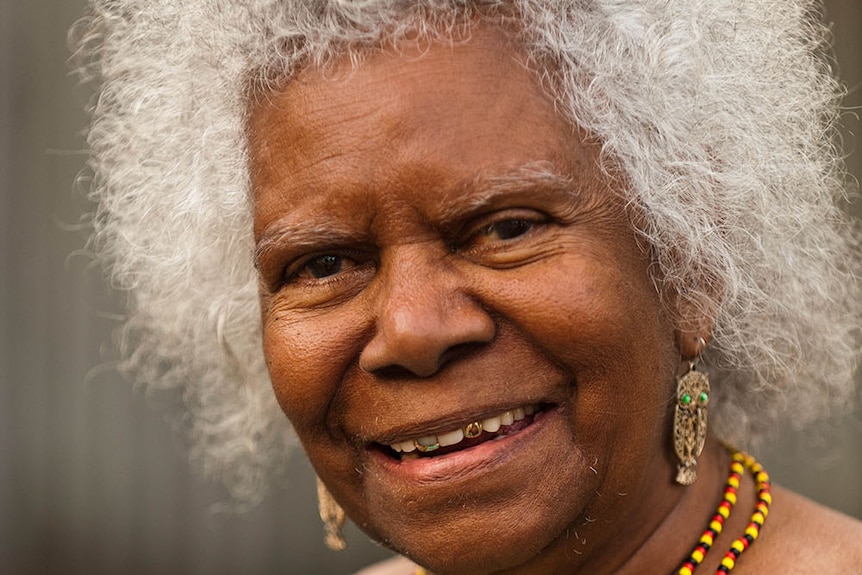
{"x": 585, "y": 314}
{"x": 306, "y": 359}
{"x": 602, "y": 325}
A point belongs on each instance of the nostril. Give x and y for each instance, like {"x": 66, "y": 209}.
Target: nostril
{"x": 395, "y": 371}
{"x": 453, "y": 354}
{"x": 458, "y": 352}
{"x": 400, "y": 356}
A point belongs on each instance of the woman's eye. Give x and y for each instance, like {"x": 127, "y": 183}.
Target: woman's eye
{"x": 507, "y": 238}
{"x": 507, "y": 229}
{"x": 326, "y": 278}
{"x": 323, "y": 266}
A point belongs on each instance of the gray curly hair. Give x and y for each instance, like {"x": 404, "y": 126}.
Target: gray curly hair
{"x": 720, "y": 114}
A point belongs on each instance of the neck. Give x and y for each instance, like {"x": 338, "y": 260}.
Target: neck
{"x": 672, "y": 540}
{"x": 658, "y": 535}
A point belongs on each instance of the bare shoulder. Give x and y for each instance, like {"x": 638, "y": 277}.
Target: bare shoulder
{"x": 394, "y": 566}
{"x": 801, "y": 536}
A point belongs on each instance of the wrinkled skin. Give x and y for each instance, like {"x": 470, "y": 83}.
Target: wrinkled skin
{"x": 405, "y": 291}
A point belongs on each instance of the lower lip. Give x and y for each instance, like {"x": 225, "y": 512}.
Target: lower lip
{"x": 482, "y": 458}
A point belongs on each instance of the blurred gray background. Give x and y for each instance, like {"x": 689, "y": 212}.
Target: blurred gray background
{"x": 91, "y": 478}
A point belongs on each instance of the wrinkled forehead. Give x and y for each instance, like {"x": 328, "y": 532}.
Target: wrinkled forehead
{"x": 483, "y": 79}
{"x": 493, "y": 30}
{"x": 487, "y": 60}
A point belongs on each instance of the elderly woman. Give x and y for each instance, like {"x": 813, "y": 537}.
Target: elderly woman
{"x": 518, "y": 272}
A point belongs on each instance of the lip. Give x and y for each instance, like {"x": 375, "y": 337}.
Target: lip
{"x": 468, "y": 463}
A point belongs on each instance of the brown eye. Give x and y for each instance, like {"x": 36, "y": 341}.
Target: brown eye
{"x": 323, "y": 266}
{"x": 508, "y": 229}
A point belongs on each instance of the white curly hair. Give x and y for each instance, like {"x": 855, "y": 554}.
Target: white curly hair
{"x": 719, "y": 114}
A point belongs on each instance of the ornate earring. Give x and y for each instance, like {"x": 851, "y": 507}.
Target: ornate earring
{"x": 689, "y": 422}
{"x": 333, "y": 517}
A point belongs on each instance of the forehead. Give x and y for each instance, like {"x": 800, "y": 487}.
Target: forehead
{"x": 446, "y": 113}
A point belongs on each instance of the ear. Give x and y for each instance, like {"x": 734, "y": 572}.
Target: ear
{"x": 691, "y": 342}
{"x": 695, "y": 322}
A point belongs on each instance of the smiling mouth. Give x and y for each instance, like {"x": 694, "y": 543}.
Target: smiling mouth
{"x": 474, "y": 433}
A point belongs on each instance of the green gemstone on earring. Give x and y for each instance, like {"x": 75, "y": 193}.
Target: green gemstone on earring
{"x": 704, "y": 396}
{"x": 686, "y": 399}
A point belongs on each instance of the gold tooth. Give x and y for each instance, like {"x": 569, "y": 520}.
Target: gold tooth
{"x": 473, "y": 430}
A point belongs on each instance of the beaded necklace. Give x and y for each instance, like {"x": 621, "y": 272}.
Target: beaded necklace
{"x": 738, "y": 464}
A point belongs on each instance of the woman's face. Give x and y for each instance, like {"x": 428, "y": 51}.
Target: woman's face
{"x": 437, "y": 248}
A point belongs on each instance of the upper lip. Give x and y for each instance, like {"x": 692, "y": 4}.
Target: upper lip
{"x": 429, "y": 426}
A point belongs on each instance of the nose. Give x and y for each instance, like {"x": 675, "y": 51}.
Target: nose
{"x": 423, "y": 316}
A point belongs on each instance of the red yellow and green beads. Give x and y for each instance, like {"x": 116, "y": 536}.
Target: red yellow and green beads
{"x": 739, "y": 462}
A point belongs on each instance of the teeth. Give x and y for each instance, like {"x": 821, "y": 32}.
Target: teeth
{"x": 473, "y": 429}
{"x": 491, "y": 425}
{"x": 450, "y": 438}
{"x": 429, "y": 443}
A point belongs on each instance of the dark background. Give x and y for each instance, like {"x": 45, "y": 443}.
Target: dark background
{"x": 91, "y": 479}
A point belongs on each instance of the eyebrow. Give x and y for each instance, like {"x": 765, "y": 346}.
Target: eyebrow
{"x": 528, "y": 179}
{"x": 468, "y": 198}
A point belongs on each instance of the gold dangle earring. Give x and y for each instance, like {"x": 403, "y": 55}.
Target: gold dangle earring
{"x": 689, "y": 422}
{"x": 333, "y": 517}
